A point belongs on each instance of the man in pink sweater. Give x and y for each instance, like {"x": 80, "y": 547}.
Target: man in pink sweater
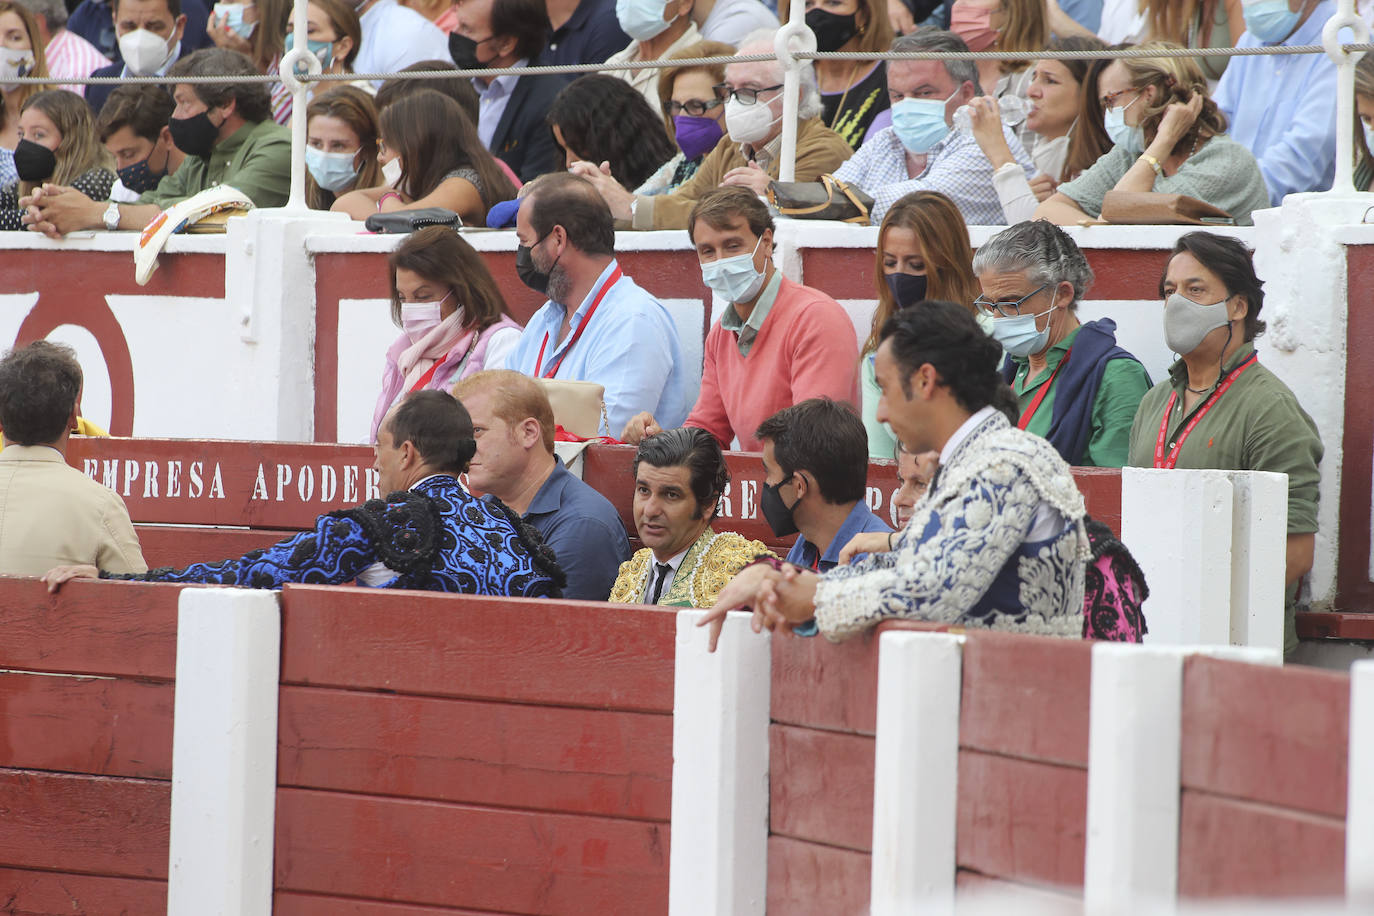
{"x": 777, "y": 343}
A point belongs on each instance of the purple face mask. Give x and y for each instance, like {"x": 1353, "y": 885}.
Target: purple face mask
{"x": 696, "y": 136}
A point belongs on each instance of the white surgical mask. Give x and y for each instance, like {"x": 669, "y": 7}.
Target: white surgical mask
{"x": 331, "y": 171}
{"x": 1186, "y": 322}
{"x": 734, "y": 279}
{"x": 1018, "y": 335}
{"x": 419, "y": 318}
{"x": 14, "y": 64}
{"x": 1129, "y": 137}
{"x": 749, "y": 123}
{"x": 144, "y": 52}
{"x": 641, "y": 19}
{"x": 391, "y": 172}
{"x": 233, "y": 18}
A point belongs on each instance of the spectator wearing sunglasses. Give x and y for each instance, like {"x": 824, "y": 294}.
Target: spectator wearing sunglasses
{"x": 748, "y": 156}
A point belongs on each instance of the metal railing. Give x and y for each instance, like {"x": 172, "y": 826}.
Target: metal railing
{"x": 794, "y": 45}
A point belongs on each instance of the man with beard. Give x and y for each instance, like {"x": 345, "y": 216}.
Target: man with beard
{"x": 598, "y": 325}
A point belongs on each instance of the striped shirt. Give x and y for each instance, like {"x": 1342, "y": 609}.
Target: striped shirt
{"x": 72, "y": 56}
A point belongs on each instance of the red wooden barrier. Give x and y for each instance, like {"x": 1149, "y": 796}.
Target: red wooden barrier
{"x": 494, "y": 754}
{"x": 1264, "y": 780}
{"x": 86, "y": 748}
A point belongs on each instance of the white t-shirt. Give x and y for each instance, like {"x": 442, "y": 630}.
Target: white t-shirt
{"x": 395, "y": 36}
{"x": 731, "y": 21}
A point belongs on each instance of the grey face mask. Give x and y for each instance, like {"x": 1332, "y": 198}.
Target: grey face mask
{"x": 1186, "y": 322}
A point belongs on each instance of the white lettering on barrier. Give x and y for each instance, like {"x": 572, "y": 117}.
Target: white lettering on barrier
{"x": 305, "y": 483}
{"x": 329, "y": 483}
{"x": 748, "y": 490}
{"x": 217, "y": 484}
{"x": 374, "y": 484}
{"x": 748, "y": 499}
{"x": 173, "y": 479}
{"x": 874, "y": 497}
{"x": 283, "y": 478}
{"x": 130, "y": 473}
{"x": 259, "y": 485}
{"x": 109, "y": 473}
{"x": 197, "y": 484}
{"x": 150, "y": 488}
{"x": 350, "y": 493}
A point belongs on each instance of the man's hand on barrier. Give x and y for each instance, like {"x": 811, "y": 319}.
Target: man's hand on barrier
{"x": 865, "y": 542}
{"x": 59, "y": 575}
{"x": 56, "y": 210}
{"x": 747, "y": 176}
{"x": 617, "y": 198}
{"x": 641, "y": 426}
{"x": 741, "y": 593}
{"x": 790, "y": 598}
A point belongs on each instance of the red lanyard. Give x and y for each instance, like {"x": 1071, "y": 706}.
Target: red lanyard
{"x": 1040, "y": 395}
{"x": 424, "y": 379}
{"x": 601, "y": 294}
{"x": 1171, "y": 459}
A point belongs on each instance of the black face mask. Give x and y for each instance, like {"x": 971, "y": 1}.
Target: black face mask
{"x": 907, "y": 289}
{"x": 777, "y": 513}
{"x": 832, "y": 30}
{"x": 463, "y": 50}
{"x": 531, "y": 276}
{"x": 33, "y": 161}
{"x": 139, "y": 176}
{"x": 194, "y": 136}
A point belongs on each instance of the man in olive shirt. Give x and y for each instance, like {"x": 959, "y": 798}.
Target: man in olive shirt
{"x": 1074, "y": 386}
{"x": 1246, "y": 418}
{"x": 227, "y": 133}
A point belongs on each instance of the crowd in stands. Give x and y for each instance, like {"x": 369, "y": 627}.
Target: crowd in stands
{"x": 977, "y": 373}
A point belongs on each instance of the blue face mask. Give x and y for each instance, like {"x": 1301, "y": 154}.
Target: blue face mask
{"x": 323, "y": 50}
{"x": 1018, "y": 335}
{"x": 641, "y": 19}
{"x": 1270, "y": 20}
{"x": 233, "y": 18}
{"x": 1129, "y": 137}
{"x": 920, "y": 123}
{"x": 331, "y": 171}
{"x": 734, "y": 279}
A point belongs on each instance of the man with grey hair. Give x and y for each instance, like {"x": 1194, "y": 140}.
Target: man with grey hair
{"x": 68, "y": 54}
{"x": 748, "y": 156}
{"x": 1073, "y": 384}
{"x": 922, "y": 151}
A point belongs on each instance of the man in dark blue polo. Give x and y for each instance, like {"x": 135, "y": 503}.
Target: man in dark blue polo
{"x": 513, "y": 425}
{"x": 582, "y": 32}
{"x": 815, "y": 463}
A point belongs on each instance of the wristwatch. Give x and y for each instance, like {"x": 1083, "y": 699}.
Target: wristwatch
{"x": 112, "y": 216}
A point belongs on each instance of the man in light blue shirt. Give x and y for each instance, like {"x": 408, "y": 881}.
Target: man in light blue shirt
{"x": 1283, "y": 109}
{"x": 617, "y": 335}
{"x": 916, "y": 155}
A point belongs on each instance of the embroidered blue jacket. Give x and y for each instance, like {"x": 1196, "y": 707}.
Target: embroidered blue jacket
{"x": 435, "y": 537}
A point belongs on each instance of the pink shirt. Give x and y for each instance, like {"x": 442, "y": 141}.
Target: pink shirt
{"x": 805, "y": 349}
{"x": 68, "y": 54}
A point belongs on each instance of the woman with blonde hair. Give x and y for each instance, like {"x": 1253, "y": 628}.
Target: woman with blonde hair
{"x": 341, "y": 137}
{"x": 58, "y": 144}
{"x": 1170, "y": 139}
{"x": 1003, "y": 25}
{"x": 853, "y": 92}
{"x": 1196, "y": 24}
{"x": 923, "y": 253}
{"x": 21, "y": 54}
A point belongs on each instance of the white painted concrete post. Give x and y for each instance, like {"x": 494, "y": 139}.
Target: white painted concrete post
{"x": 916, "y": 773}
{"x": 224, "y": 753}
{"x": 1359, "y": 817}
{"x": 1259, "y": 551}
{"x": 1177, "y": 525}
{"x": 719, "y": 855}
{"x": 1134, "y": 747}
{"x": 270, "y": 285}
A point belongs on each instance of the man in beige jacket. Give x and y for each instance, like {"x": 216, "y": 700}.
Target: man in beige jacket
{"x": 748, "y": 156}
{"x": 52, "y": 514}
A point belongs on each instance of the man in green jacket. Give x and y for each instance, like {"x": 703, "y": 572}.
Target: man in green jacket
{"x": 227, "y": 133}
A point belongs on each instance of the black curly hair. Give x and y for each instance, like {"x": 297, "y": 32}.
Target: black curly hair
{"x": 949, "y": 338}
{"x": 605, "y": 119}
{"x": 699, "y": 452}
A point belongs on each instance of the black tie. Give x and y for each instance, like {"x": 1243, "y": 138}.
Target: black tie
{"x": 663, "y": 570}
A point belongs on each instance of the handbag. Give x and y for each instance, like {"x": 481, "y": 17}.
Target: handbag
{"x": 578, "y": 407}
{"x": 829, "y": 198}
{"x": 1150, "y": 208}
{"x": 403, "y": 221}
